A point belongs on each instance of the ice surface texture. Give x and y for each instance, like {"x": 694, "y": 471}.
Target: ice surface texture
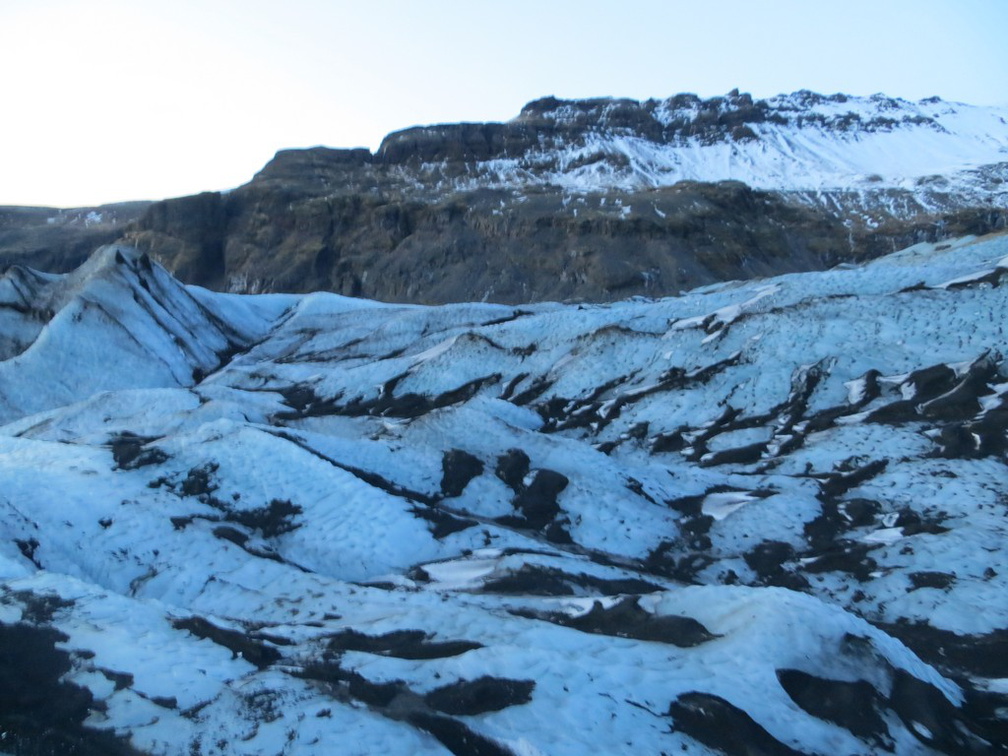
{"x": 766, "y": 516}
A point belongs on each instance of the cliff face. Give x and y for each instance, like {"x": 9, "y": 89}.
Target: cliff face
{"x": 58, "y": 241}
{"x": 597, "y": 199}
{"x": 557, "y": 124}
{"x": 491, "y": 245}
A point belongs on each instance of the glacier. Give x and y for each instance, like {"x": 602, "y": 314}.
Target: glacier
{"x": 763, "y": 516}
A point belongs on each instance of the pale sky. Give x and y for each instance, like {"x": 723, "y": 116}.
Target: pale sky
{"x": 111, "y": 100}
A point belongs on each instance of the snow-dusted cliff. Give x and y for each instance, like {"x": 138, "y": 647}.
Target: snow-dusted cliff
{"x": 799, "y": 142}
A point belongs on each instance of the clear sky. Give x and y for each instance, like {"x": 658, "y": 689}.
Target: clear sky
{"x": 109, "y": 100}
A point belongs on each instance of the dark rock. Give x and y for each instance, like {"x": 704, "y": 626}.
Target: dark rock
{"x": 720, "y": 725}
{"x": 662, "y": 561}
{"x": 538, "y": 503}
{"x": 668, "y": 442}
{"x": 539, "y": 386}
{"x": 930, "y": 716}
{"x": 273, "y": 520}
{"x": 40, "y": 608}
{"x": 766, "y": 558}
{"x": 978, "y": 655}
{"x": 533, "y": 580}
{"x": 457, "y": 737}
{"x": 129, "y": 453}
{"x": 986, "y": 436}
{"x": 793, "y": 581}
{"x": 27, "y": 547}
{"x": 314, "y": 163}
{"x": 852, "y": 705}
{"x": 742, "y": 455}
{"x": 512, "y": 467}
{"x": 469, "y": 697}
{"x": 839, "y": 483}
{"x": 409, "y": 405}
{"x": 232, "y": 535}
{"x": 402, "y": 644}
{"x": 458, "y": 468}
{"x": 305, "y": 403}
{"x": 556, "y": 532}
{"x": 39, "y": 712}
{"x": 851, "y": 558}
{"x": 931, "y": 382}
{"x": 444, "y": 523}
{"x": 914, "y": 523}
{"x": 983, "y": 713}
{"x": 457, "y": 142}
{"x": 199, "y": 481}
{"x": 626, "y": 619}
{"x": 356, "y": 685}
{"x": 690, "y": 506}
{"x": 440, "y": 248}
{"x": 860, "y": 512}
{"x": 122, "y": 680}
{"x": 894, "y": 413}
{"x": 696, "y": 530}
{"x": 240, "y": 644}
{"x": 825, "y": 531}
{"x": 191, "y": 231}
{"x": 939, "y": 580}
{"x": 398, "y": 226}
{"x": 59, "y": 240}
{"x": 962, "y": 402}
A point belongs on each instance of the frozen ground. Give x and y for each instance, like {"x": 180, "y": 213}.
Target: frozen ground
{"x": 762, "y": 517}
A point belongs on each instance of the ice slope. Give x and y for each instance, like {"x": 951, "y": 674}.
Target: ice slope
{"x": 760, "y": 517}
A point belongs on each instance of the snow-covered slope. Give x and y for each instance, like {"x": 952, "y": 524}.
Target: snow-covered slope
{"x": 799, "y": 142}
{"x": 762, "y": 517}
{"x": 883, "y": 141}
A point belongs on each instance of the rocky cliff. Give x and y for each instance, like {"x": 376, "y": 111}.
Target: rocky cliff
{"x": 491, "y": 244}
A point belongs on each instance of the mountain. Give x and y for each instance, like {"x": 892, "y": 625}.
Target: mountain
{"x": 760, "y": 517}
{"x": 797, "y": 142}
{"x": 598, "y": 200}
{"x": 591, "y": 200}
